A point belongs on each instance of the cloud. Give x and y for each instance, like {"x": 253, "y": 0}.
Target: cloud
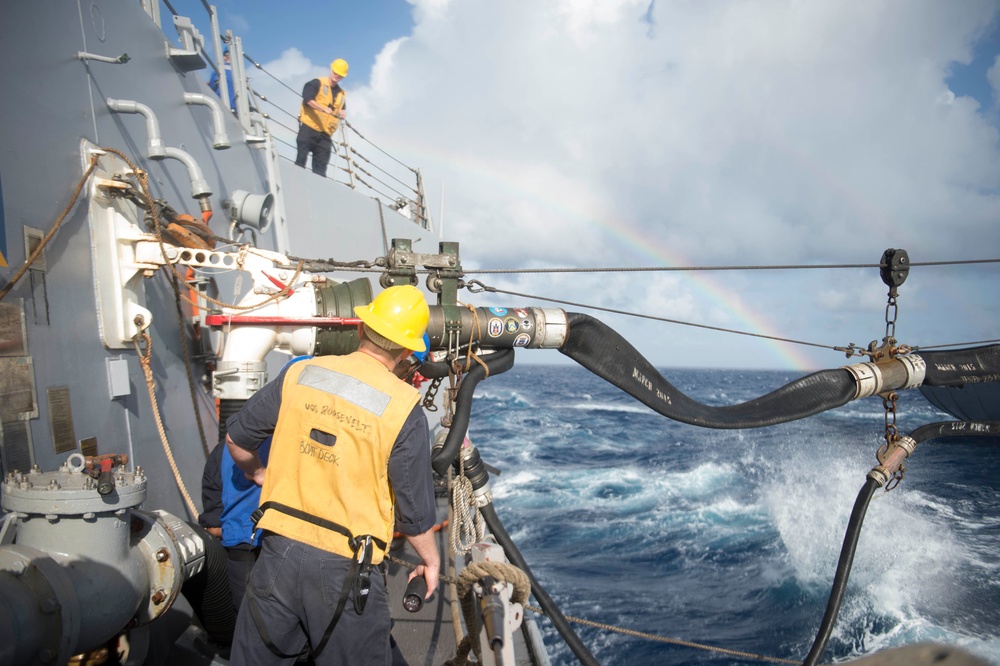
{"x": 294, "y": 66}
{"x": 785, "y": 126}
{"x": 993, "y": 76}
{"x": 633, "y": 133}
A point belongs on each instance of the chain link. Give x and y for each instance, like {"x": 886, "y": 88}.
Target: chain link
{"x": 431, "y": 395}
{"x": 891, "y": 437}
{"x": 890, "y": 319}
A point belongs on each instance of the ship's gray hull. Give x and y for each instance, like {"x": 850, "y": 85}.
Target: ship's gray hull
{"x": 58, "y": 372}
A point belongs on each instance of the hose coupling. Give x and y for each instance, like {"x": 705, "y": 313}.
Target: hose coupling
{"x": 477, "y": 473}
{"x": 902, "y": 372}
{"x": 867, "y": 379}
{"x": 891, "y": 458}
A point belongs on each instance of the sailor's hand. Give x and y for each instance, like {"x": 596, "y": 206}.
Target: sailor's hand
{"x": 342, "y": 113}
{"x": 430, "y": 575}
{"x": 257, "y": 476}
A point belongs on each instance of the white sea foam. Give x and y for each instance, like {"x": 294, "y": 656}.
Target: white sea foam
{"x": 514, "y": 483}
{"x": 909, "y": 560}
{"x": 625, "y": 408}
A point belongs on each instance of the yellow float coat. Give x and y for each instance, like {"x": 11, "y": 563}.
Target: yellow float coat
{"x": 339, "y": 418}
{"x": 327, "y": 97}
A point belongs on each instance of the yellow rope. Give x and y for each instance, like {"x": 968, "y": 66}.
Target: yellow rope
{"x": 502, "y": 572}
{"x": 475, "y": 334}
{"x": 599, "y": 625}
{"x": 52, "y": 232}
{"x": 144, "y": 360}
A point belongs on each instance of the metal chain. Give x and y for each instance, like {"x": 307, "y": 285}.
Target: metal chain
{"x": 890, "y": 319}
{"x": 431, "y": 395}
{"x": 891, "y": 437}
{"x": 451, "y": 393}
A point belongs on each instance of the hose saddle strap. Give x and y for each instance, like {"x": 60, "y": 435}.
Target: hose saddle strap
{"x": 359, "y": 566}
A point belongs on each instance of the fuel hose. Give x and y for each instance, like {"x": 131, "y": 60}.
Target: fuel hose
{"x": 600, "y": 349}
{"x": 957, "y": 367}
{"x": 496, "y": 363}
{"x": 552, "y": 611}
{"x": 921, "y": 434}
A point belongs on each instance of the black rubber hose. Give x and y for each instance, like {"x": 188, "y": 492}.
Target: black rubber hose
{"x": 921, "y": 434}
{"x": 961, "y": 366}
{"x": 208, "y": 591}
{"x": 843, "y": 571}
{"x": 227, "y": 408}
{"x": 600, "y": 349}
{"x": 502, "y": 361}
{"x": 432, "y": 370}
{"x": 956, "y": 429}
{"x": 552, "y": 611}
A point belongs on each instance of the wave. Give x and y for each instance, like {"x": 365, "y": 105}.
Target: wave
{"x": 632, "y": 519}
{"x": 611, "y": 407}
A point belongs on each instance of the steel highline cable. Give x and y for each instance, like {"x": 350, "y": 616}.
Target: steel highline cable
{"x": 704, "y": 326}
{"x": 778, "y": 267}
{"x": 654, "y": 318}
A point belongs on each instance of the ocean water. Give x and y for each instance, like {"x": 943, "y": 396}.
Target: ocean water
{"x": 731, "y": 537}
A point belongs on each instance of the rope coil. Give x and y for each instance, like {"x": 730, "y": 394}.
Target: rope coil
{"x": 502, "y": 572}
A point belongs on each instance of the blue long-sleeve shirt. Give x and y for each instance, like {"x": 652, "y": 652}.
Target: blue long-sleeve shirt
{"x": 213, "y": 83}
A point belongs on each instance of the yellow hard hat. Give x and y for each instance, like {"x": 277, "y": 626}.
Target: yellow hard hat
{"x": 339, "y": 67}
{"x": 399, "y": 314}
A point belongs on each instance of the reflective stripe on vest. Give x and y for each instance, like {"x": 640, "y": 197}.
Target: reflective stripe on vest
{"x": 353, "y": 390}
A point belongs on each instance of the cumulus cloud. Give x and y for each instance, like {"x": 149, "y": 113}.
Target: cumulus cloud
{"x": 993, "y": 75}
{"x": 639, "y": 133}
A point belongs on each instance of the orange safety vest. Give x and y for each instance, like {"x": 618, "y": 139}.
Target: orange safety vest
{"x": 326, "y": 97}
{"x": 339, "y": 419}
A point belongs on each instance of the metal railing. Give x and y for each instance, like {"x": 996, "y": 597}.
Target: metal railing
{"x": 397, "y": 185}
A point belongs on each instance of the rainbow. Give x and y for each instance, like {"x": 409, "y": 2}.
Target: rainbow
{"x": 503, "y": 175}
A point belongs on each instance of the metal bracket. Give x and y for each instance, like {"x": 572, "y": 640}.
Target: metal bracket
{"x": 444, "y": 279}
{"x": 188, "y": 55}
{"x": 114, "y": 231}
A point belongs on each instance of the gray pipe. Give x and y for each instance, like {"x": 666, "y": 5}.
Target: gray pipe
{"x": 199, "y": 186}
{"x": 155, "y": 150}
{"x": 221, "y": 140}
{"x": 154, "y": 144}
{"x": 84, "y": 566}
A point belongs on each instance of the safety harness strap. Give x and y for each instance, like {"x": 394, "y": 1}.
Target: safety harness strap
{"x": 261, "y": 627}
{"x": 352, "y": 541}
{"x": 357, "y": 575}
{"x": 352, "y": 573}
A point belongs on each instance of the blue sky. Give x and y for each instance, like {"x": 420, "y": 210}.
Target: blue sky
{"x": 575, "y": 133}
{"x": 322, "y": 31}
{"x": 971, "y": 78}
